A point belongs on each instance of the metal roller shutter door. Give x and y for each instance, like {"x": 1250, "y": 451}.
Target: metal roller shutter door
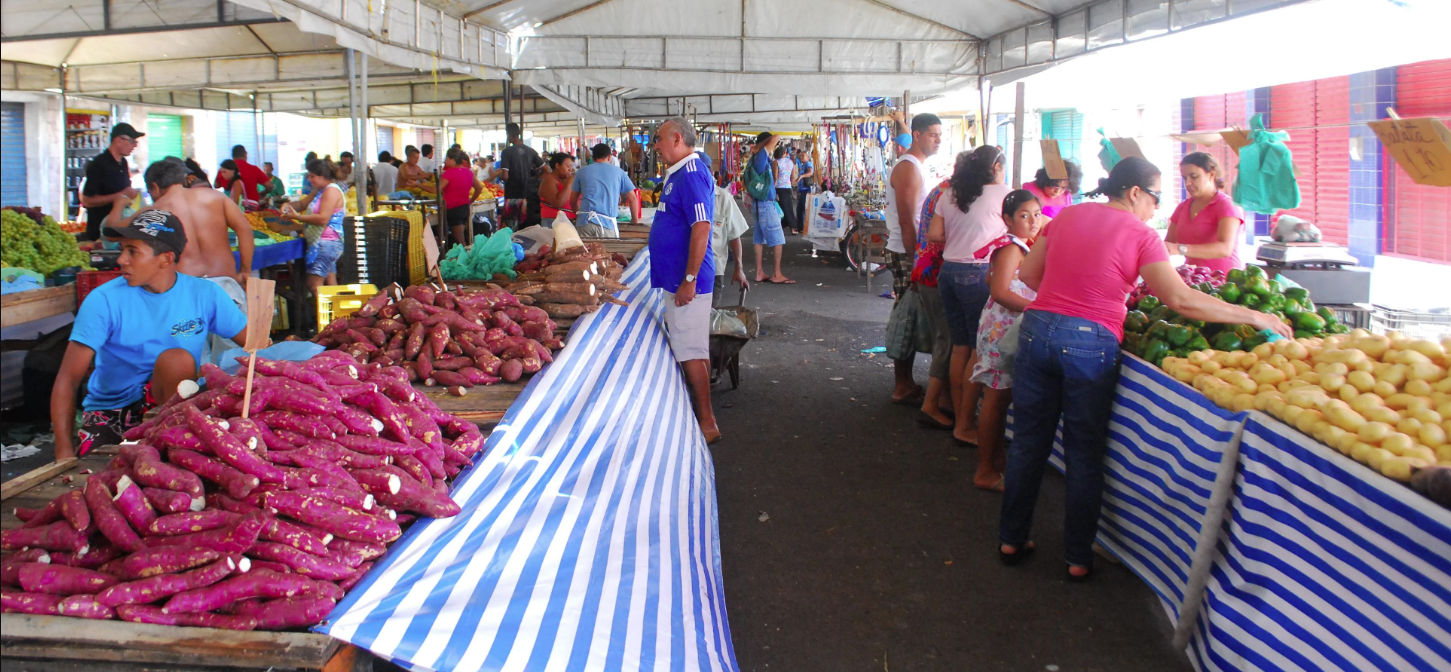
{"x": 385, "y": 139}
{"x": 1418, "y": 217}
{"x": 13, "y": 183}
{"x": 163, "y": 136}
{"x": 1322, "y": 155}
{"x": 1213, "y": 113}
{"x": 1066, "y": 126}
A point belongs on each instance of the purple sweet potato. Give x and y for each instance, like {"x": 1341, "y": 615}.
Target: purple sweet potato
{"x": 256, "y": 583}
{"x": 158, "y": 587}
{"x": 273, "y": 367}
{"x": 178, "y": 436}
{"x": 42, "y": 516}
{"x": 294, "y": 422}
{"x": 511, "y": 370}
{"x": 270, "y": 566}
{"x": 451, "y": 363}
{"x": 237, "y": 484}
{"x": 231, "y": 450}
{"x": 415, "y": 467}
{"x": 73, "y": 508}
{"x": 170, "y": 501}
{"x": 155, "y": 561}
{"x": 135, "y": 452}
{"x": 158, "y": 474}
{"x": 334, "y": 518}
{"x": 231, "y": 505}
{"x": 296, "y": 535}
{"x": 377, "y": 481}
{"x": 477, "y": 376}
{"x": 288, "y": 437}
{"x": 234, "y": 538}
{"x": 191, "y": 521}
{"x": 414, "y": 496}
{"x": 358, "y": 573}
{"x": 143, "y": 613}
{"x": 469, "y": 443}
{"x": 424, "y": 364}
{"x": 358, "y": 422}
{"x": 132, "y": 504}
{"x": 19, "y": 602}
{"x": 10, "y": 564}
{"x": 306, "y": 564}
{"x": 386, "y": 411}
{"x": 289, "y": 612}
{"x": 36, "y": 577}
{"x": 91, "y": 558}
{"x": 364, "y": 551}
{"x": 85, "y": 606}
{"x": 109, "y": 519}
{"x": 215, "y": 376}
{"x": 340, "y": 477}
{"x": 374, "y": 304}
{"x": 449, "y": 379}
{"x": 361, "y": 501}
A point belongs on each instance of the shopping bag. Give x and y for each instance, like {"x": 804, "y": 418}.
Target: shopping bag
{"x": 908, "y": 329}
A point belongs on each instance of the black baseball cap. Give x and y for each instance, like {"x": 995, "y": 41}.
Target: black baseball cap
{"x": 127, "y": 130}
{"x": 152, "y": 225}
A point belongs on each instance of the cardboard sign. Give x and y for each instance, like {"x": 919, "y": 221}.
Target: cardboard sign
{"x": 259, "y": 313}
{"x": 1126, "y": 147}
{"x": 1422, "y": 148}
{"x": 1053, "y": 160}
{"x": 430, "y": 253}
{"x": 1235, "y": 139}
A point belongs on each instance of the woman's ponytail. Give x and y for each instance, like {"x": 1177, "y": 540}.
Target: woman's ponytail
{"x": 1131, "y": 172}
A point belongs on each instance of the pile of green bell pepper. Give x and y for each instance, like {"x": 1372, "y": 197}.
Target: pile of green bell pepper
{"x": 1154, "y": 331}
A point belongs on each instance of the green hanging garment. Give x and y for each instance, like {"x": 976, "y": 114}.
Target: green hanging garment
{"x": 1266, "y": 180}
{"x": 1108, "y": 157}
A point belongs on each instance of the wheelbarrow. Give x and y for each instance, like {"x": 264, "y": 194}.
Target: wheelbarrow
{"x": 725, "y": 347}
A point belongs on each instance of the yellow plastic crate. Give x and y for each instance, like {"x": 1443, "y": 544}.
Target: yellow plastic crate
{"x": 334, "y": 301}
{"x": 417, "y": 272}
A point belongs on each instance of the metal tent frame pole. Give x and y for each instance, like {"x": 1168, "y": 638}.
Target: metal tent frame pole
{"x": 360, "y": 156}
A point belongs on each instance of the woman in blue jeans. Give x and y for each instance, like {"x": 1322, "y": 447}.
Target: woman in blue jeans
{"x": 321, "y": 224}
{"x": 1083, "y": 267}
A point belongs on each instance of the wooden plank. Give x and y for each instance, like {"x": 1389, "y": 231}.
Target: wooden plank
{"x": 59, "y": 638}
{"x": 33, "y": 478}
{"x": 36, "y": 304}
{"x": 483, "y": 403}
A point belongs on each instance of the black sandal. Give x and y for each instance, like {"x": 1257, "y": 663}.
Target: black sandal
{"x": 1078, "y": 578}
{"x": 1016, "y": 557}
{"x": 926, "y": 421}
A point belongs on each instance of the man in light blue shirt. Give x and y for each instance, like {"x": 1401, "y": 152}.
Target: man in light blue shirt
{"x": 597, "y": 189}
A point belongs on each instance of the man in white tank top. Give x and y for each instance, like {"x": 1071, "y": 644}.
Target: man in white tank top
{"x": 905, "y": 193}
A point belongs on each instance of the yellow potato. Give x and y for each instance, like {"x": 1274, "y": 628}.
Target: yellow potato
{"x": 1263, "y": 350}
{"x": 1409, "y": 426}
{"x": 1307, "y": 397}
{"x": 1443, "y": 385}
{"x": 1210, "y": 366}
{"x": 1364, "y": 402}
{"x": 1397, "y": 443}
{"x": 1383, "y": 389}
{"x": 1367, "y": 365}
{"x": 1382, "y": 414}
{"x": 1263, "y": 397}
{"x": 1430, "y": 349}
{"x": 1265, "y": 374}
{"x": 1360, "y": 450}
{"x": 1361, "y": 380}
{"x": 1426, "y": 371}
{"x": 1399, "y": 401}
{"x": 1242, "y": 402}
{"x": 1344, "y": 417}
{"x": 1276, "y": 406}
{"x": 1420, "y": 452}
{"x": 1396, "y": 468}
{"x": 1343, "y": 440}
{"x": 1289, "y": 414}
{"x": 1418, "y": 387}
{"x": 1266, "y": 388}
{"x": 1293, "y": 349}
{"x": 1443, "y": 452}
{"x": 1306, "y": 421}
{"x": 1432, "y": 435}
{"x": 1321, "y": 431}
{"x": 1348, "y": 392}
{"x": 1309, "y": 376}
{"x": 1198, "y": 357}
{"x": 1336, "y": 368}
{"x": 1373, "y": 346}
{"x": 1428, "y": 416}
{"x": 1244, "y": 360}
{"x": 1411, "y": 358}
{"x": 1276, "y": 360}
{"x": 1300, "y": 366}
{"x": 1332, "y": 381}
{"x": 1225, "y": 358}
{"x": 1359, "y": 333}
{"x": 1374, "y": 432}
{"x": 1394, "y": 374}
{"x": 1377, "y": 457}
{"x": 1185, "y": 373}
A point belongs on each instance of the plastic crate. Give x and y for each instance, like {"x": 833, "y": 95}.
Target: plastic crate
{"x": 386, "y": 239}
{"x": 334, "y": 301}
{"x": 87, "y": 281}
{"x": 1433, "y": 326}
{"x": 416, "y": 229}
{"x": 1352, "y": 315}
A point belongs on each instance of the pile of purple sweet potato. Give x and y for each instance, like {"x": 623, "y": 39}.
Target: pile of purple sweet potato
{"x": 211, "y": 519}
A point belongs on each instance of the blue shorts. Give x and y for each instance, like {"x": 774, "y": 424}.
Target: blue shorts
{"x": 768, "y": 225}
{"x": 326, "y": 263}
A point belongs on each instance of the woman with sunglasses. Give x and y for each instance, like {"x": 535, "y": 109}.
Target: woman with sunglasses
{"x": 1067, "y": 363}
{"x": 1205, "y": 228}
{"x": 1055, "y": 194}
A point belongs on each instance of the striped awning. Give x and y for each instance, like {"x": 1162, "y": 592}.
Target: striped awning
{"x": 588, "y": 538}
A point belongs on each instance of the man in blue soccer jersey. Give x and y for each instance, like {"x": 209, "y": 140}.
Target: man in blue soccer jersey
{"x": 680, "y": 262}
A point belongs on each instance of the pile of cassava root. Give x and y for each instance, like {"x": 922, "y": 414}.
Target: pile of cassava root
{"x": 214, "y": 520}
{"x": 571, "y": 282}
{"x": 454, "y": 339}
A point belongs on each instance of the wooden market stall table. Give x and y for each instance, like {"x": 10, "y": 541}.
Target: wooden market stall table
{"x": 1268, "y": 549}
{"x": 36, "y": 304}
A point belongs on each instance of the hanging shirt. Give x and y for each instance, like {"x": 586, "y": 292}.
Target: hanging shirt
{"x": 894, "y": 228}
{"x": 1204, "y": 228}
{"x": 687, "y": 197}
{"x": 129, "y": 327}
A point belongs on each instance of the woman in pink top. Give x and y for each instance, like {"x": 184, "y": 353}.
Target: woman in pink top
{"x": 1055, "y": 194}
{"x": 460, "y": 188}
{"x": 968, "y": 217}
{"x": 1068, "y": 350}
{"x": 1205, "y": 228}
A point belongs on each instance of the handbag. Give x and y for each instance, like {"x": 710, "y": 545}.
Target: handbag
{"x": 908, "y": 329}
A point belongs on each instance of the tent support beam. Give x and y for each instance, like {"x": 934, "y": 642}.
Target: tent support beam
{"x": 573, "y": 12}
{"x": 923, "y": 19}
{"x": 136, "y": 30}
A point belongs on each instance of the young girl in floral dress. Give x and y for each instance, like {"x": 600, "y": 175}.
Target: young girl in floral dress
{"x": 1024, "y": 217}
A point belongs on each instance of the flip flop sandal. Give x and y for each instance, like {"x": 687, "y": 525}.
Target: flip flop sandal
{"x": 928, "y": 422}
{"x": 1077, "y": 578}
{"x": 1016, "y": 557}
{"x": 997, "y": 486}
{"x": 913, "y": 399}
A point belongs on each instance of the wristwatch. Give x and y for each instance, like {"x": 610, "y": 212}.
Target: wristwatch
{"x": 690, "y": 277}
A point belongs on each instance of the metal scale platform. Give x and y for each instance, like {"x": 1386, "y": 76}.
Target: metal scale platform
{"x": 1331, "y": 274}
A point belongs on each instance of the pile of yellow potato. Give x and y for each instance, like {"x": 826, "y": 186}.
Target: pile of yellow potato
{"x": 1384, "y": 400}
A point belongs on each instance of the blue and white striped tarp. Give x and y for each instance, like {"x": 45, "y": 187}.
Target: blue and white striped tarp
{"x": 588, "y": 538}
{"x": 1325, "y": 565}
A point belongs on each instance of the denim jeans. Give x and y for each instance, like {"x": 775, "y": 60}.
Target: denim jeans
{"x": 965, "y": 292}
{"x": 1066, "y": 367}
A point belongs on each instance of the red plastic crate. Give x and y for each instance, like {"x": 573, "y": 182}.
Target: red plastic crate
{"x": 86, "y": 281}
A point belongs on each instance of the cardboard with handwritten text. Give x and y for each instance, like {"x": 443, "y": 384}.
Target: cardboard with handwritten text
{"x": 1422, "y": 148}
{"x": 1126, "y": 147}
{"x": 1053, "y": 160}
{"x": 1236, "y": 139}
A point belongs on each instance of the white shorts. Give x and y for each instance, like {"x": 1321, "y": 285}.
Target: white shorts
{"x": 688, "y": 327}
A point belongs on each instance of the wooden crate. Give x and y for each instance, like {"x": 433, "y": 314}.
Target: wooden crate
{"x": 36, "y": 304}
{"x": 64, "y": 644}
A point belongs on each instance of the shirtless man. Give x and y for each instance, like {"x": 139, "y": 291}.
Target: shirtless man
{"x": 205, "y": 214}
{"x": 411, "y": 174}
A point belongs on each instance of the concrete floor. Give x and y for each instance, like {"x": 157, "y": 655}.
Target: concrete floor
{"x": 875, "y": 552}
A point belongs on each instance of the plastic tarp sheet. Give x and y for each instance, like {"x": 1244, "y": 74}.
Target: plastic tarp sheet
{"x": 588, "y": 538}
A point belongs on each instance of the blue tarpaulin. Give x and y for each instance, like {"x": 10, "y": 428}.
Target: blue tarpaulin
{"x": 588, "y": 537}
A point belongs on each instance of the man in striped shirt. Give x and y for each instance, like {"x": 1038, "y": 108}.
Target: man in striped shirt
{"x": 681, "y": 263}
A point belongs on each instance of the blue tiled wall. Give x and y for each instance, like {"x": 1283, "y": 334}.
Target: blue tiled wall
{"x": 1257, "y": 101}
{"x": 1370, "y": 94}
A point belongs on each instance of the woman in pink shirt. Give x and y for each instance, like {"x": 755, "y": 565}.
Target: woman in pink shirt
{"x": 1055, "y": 194}
{"x": 1205, "y": 229}
{"x": 1067, "y": 364}
{"x": 460, "y": 189}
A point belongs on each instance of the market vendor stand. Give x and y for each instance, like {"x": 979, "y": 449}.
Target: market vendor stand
{"x": 36, "y": 304}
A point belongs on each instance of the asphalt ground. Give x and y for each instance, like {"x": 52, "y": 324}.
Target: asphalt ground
{"x": 851, "y": 539}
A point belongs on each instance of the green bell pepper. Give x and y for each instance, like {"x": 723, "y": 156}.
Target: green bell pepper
{"x": 1327, "y": 314}
{"x": 1156, "y": 329}
{"x": 1136, "y": 321}
{"x": 1258, "y": 285}
{"x": 1235, "y": 276}
{"x": 1155, "y": 350}
{"x": 1177, "y": 335}
{"x": 1293, "y": 308}
{"x": 1250, "y": 300}
{"x": 1336, "y": 329}
{"x": 1253, "y": 271}
{"x": 1132, "y": 342}
{"x": 1310, "y": 322}
{"x": 1197, "y": 343}
{"x": 1205, "y": 287}
{"x": 1254, "y": 341}
{"x": 1228, "y": 341}
{"x": 1301, "y": 333}
{"x": 1229, "y": 293}
{"x": 1297, "y": 293}
{"x": 1163, "y": 313}
{"x": 1244, "y": 331}
{"x": 1149, "y": 303}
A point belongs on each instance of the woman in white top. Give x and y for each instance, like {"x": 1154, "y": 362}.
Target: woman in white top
{"x": 786, "y": 177}
{"x": 967, "y": 218}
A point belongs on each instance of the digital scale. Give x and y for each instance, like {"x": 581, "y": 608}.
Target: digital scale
{"x": 105, "y": 260}
{"x": 1329, "y": 271}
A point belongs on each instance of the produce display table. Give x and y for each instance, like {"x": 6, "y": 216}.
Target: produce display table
{"x": 1310, "y": 561}
{"x": 289, "y": 254}
{"x": 69, "y": 644}
{"x": 36, "y": 304}
{"x": 592, "y": 508}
